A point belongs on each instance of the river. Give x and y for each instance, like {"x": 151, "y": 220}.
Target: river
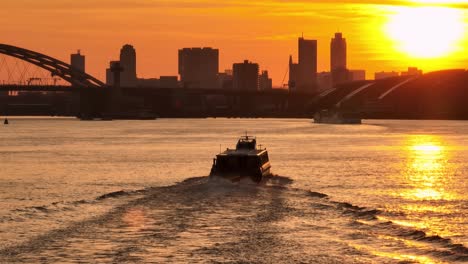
{"x": 136, "y": 191}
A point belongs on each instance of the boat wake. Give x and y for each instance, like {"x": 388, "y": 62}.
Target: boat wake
{"x": 204, "y": 219}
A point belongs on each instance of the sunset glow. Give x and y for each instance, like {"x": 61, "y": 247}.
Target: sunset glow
{"x": 426, "y": 32}
{"x": 388, "y": 36}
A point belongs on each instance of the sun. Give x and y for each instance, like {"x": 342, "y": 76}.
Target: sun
{"x": 426, "y": 32}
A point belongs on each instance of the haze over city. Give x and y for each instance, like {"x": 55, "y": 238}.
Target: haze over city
{"x": 381, "y": 35}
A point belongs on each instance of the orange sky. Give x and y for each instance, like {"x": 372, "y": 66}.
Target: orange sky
{"x": 263, "y": 31}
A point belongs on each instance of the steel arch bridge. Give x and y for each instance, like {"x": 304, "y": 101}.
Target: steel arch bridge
{"x": 56, "y": 67}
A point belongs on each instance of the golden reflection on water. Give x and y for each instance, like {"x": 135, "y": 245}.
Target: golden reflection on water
{"x": 396, "y": 256}
{"x": 428, "y": 171}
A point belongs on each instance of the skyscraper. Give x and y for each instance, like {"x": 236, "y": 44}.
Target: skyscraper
{"x": 338, "y": 52}
{"x": 198, "y": 67}
{"x": 338, "y": 55}
{"x": 77, "y": 61}
{"x": 303, "y": 75}
{"x": 245, "y": 76}
{"x": 307, "y": 79}
{"x": 128, "y": 78}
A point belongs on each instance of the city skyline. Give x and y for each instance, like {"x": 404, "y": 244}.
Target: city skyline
{"x": 262, "y": 31}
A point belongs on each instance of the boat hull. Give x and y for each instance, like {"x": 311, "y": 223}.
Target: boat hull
{"x": 236, "y": 176}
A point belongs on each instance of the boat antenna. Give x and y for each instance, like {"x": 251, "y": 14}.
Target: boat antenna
{"x": 219, "y": 148}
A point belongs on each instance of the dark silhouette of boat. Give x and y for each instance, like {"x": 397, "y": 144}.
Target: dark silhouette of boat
{"x": 246, "y": 161}
{"x": 336, "y": 117}
{"x": 6, "y": 121}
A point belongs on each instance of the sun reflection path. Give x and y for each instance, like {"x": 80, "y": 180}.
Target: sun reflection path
{"x": 429, "y": 173}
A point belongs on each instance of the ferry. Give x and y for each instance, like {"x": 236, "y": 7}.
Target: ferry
{"x": 245, "y": 161}
{"x": 336, "y": 117}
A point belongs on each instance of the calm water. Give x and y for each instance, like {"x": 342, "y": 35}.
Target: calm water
{"x": 136, "y": 191}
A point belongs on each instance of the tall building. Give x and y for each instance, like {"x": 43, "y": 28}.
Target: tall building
{"x": 303, "y": 75}
{"x": 198, "y": 67}
{"x": 77, "y": 61}
{"x": 338, "y": 66}
{"x": 245, "y": 76}
{"x": 338, "y": 52}
{"x": 265, "y": 83}
{"x": 128, "y": 78}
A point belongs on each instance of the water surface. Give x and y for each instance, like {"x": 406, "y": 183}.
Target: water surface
{"x": 135, "y": 191}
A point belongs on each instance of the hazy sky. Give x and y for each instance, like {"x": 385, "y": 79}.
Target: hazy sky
{"x": 263, "y": 31}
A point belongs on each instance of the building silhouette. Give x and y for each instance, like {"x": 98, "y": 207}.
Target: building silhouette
{"x": 161, "y": 82}
{"x": 412, "y": 71}
{"x": 384, "y": 75}
{"x": 245, "y": 76}
{"x": 225, "y": 79}
{"x": 303, "y": 75}
{"x": 324, "y": 81}
{"x": 109, "y": 74}
{"x": 357, "y": 75}
{"x": 338, "y": 61}
{"x": 293, "y": 74}
{"x": 265, "y": 83}
{"x": 198, "y": 67}
{"x": 78, "y": 61}
{"x": 128, "y": 77}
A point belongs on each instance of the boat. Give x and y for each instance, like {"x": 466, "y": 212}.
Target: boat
{"x": 245, "y": 161}
{"x": 6, "y": 121}
{"x": 336, "y": 117}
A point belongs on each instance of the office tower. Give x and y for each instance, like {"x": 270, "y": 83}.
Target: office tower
{"x": 338, "y": 52}
{"x": 128, "y": 78}
{"x": 265, "y": 82}
{"x": 77, "y": 61}
{"x": 303, "y": 75}
{"x": 245, "y": 76}
{"x": 198, "y": 67}
{"x": 307, "y": 78}
{"x": 338, "y": 67}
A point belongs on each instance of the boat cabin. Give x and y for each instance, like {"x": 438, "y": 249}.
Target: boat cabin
{"x": 245, "y": 161}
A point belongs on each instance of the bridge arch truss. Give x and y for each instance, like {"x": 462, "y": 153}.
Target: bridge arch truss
{"x": 56, "y": 67}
